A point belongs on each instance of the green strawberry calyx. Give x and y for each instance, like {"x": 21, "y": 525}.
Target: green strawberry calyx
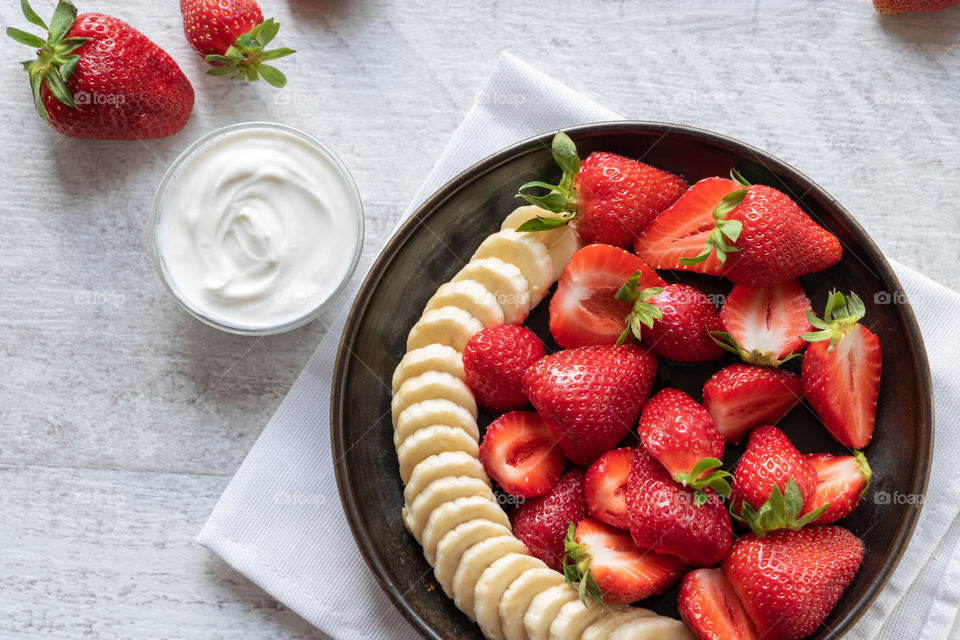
{"x": 56, "y": 55}
{"x": 725, "y": 232}
{"x": 842, "y": 313}
{"x": 560, "y": 198}
{"x": 644, "y": 313}
{"x": 761, "y": 358}
{"x": 245, "y": 58}
{"x": 576, "y": 569}
{"x": 706, "y": 473}
{"x": 780, "y": 511}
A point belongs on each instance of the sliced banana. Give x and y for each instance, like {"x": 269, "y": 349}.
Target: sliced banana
{"x": 573, "y": 618}
{"x": 544, "y": 608}
{"x": 451, "y": 326}
{"x": 432, "y": 385}
{"x": 517, "y": 598}
{"x": 652, "y": 628}
{"x": 562, "y": 242}
{"x": 505, "y": 281}
{"x": 451, "y": 547}
{"x": 471, "y": 296}
{"x": 493, "y": 582}
{"x": 433, "y": 412}
{"x": 613, "y": 618}
{"x": 430, "y": 441}
{"x": 442, "y": 465}
{"x": 438, "y": 492}
{"x": 445, "y": 517}
{"x": 527, "y": 252}
{"x": 474, "y": 562}
{"x": 433, "y": 357}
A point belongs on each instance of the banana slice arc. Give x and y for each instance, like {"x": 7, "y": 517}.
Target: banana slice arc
{"x": 517, "y": 598}
{"x": 451, "y": 326}
{"x": 527, "y": 252}
{"x": 433, "y": 412}
{"x": 652, "y": 628}
{"x": 562, "y": 242}
{"x": 573, "y": 618}
{"x": 493, "y": 582}
{"x": 438, "y": 492}
{"x": 505, "y": 281}
{"x": 432, "y": 385}
{"x": 442, "y": 465}
{"x": 474, "y": 562}
{"x": 445, "y": 517}
{"x": 613, "y": 618}
{"x": 456, "y": 541}
{"x": 430, "y": 441}
{"x": 433, "y": 357}
{"x": 544, "y": 609}
{"x": 471, "y": 296}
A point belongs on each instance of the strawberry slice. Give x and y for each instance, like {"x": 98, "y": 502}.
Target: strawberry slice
{"x": 604, "y": 564}
{"x": 841, "y": 482}
{"x": 711, "y": 608}
{"x": 519, "y": 452}
{"x": 841, "y": 371}
{"x": 606, "y": 487}
{"x": 584, "y": 310}
{"x": 681, "y": 230}
{"x": 741, "y": 396}
{"x": 765, "y": 325}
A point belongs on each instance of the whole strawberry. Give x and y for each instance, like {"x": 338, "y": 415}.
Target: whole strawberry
{"x": 895, "y": 7}
{"x": 542, "y": 522}
{"x": 669, "y": 518}
{"x": 590, "y": 397}
{"x": 494, "y": 360}
{"x": 790, "y": 581}
{"x": 98, "y": 77}
{"x": 232, "y": 35}
{"x": 613, "y": 198}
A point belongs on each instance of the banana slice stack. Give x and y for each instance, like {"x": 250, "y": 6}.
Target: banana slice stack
{"x": 449, "y": 506}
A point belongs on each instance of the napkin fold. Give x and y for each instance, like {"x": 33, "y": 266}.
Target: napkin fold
{"x": 280, "y": 521}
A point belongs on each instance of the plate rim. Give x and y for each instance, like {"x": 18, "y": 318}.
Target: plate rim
{"x": 363, "y": 537}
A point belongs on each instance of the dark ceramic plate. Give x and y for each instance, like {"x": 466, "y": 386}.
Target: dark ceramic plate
{"x": 441, "y": 236}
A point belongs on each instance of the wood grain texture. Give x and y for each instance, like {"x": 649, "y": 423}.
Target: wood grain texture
{"x": 122, "y": 418}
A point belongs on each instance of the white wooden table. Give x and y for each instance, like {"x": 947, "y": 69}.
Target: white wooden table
{"x": 122, "y": 418}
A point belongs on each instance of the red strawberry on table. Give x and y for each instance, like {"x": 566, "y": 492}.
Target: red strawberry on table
{"x": 764, "y": 325}
{"x": 674, "y": 320}
{"x": 604, "y": 565}
{"x": 494, "y": 360}
{"x": 841, "y": 371}
{"x": 711, "y": 608}
{"x": 742, "y": 396}
{"x": 772, "y": 483}
{"x": 232, "y": 35}
{"x": 541, "y": 523}
{"x": 591, "y": 397}
{"x": 682, "y": 230}
{"x": 613, "y": 198}
{"x": 683, "y": 437}
{"x": 98, "y": 77}
{"x": 841, "y": 483}
{"x": 521, "y": 454}
{"x": 666, "y": 517}
{"x": 584, "y": 309}
{"x": 606, "y": 487}
{"x": 790, "y": 581}
{"x": 895, "y": 7}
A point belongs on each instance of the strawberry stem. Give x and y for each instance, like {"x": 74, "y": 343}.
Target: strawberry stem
{"x": 706, "y": 473}
{"x": 560, "y": 198}
{"x": 246, "y": 56}
{"x": 780, "y": 511}
{"x": 841, "y": 314}
{"x": 576, "y": 569}
{"x": 761, "y": 358}
{"x": 724, "y": 230}
{"x": 643, "y": 313}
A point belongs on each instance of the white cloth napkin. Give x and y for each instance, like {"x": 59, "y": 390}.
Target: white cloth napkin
{"x": 280, "y": 521}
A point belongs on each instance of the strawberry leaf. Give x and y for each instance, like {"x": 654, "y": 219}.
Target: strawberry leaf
{"x": 23, "y": 37}
{"x": 736, "y": 176}
{"x": 724, "y": 233}
{"x": 63, "y": 18}
{"x": 32, "y": 16}
{"x": 706, "y": 473}
{"x": 780, "y": 511}
{"x": 576, "y": 569}
{"x": 841, "y": 314}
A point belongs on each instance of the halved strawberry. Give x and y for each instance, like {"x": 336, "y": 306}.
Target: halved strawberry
{"x": 606, "y": 487}
{"x": 584, "y": 309}
{"x": 711, "y": 608}
{"x": 519, "y": 452}
{"x": 841, "y": 371}
{"x": 742, "y": 396}
{"x": 604, "y": 564}
{"x": 841, "y": 482}
{"x": 682, "y": 230}
{"x": 765, "y": 325}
